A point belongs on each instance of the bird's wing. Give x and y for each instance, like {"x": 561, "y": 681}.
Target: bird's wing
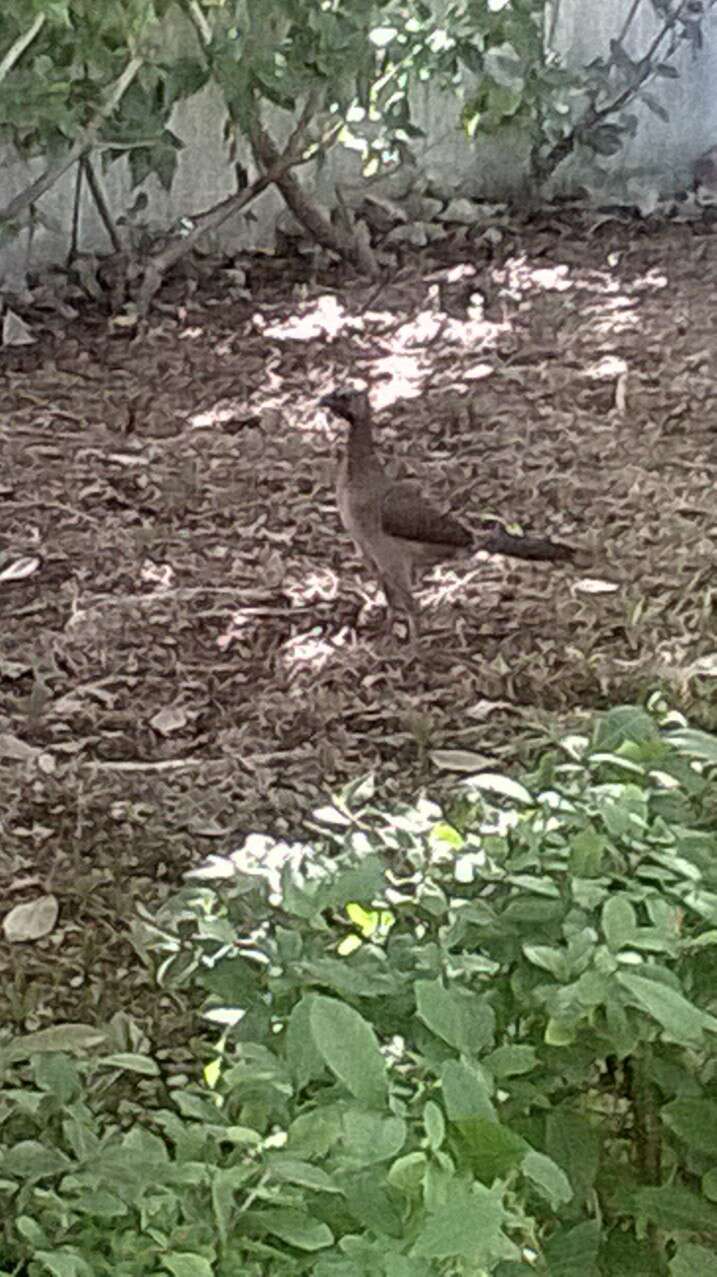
{"x": 407, "y": 514}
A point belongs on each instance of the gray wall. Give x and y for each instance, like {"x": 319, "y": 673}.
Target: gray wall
{"x": 658, "y": 158}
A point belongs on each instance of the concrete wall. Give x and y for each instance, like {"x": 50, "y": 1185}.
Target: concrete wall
{"x": 659, "y": 156}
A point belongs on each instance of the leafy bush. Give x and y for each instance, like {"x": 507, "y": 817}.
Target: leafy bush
{"x": 483, "y": 1045}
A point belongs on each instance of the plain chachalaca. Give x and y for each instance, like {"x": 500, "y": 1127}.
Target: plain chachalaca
{"x": 397, "y": 530}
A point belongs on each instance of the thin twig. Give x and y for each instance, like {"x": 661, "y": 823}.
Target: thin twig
{"x": 593, "y": 116}
{"x": 75, "y": 235}
{"x": 86, "y": 140}
{"x": 101, "y": 203}
{"x": 166, "y": 764}
{"x": 216, "y": 216}
{"x": 17, "y": 49}
{"x": 629, "y": 21}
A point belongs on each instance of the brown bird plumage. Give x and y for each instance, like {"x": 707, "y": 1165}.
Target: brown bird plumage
{"x": 397, "y": 530}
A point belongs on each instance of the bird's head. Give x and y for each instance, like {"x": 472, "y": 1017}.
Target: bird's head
{"x": 352, "y": 405}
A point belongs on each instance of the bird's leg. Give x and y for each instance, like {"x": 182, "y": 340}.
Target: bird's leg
{"x": 400, "y": 602}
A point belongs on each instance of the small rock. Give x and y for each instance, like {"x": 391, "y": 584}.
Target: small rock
{"x": 413, "y": 233}
{"x": 422, "y": 208}
{"x": 461, "y": 212}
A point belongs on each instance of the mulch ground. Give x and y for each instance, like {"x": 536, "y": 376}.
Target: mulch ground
{"x": 190, "y": 649}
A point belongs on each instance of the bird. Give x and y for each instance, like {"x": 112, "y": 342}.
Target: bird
{"x": 397, "y": 530}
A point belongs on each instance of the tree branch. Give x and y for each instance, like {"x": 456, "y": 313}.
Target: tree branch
{"x": 158, "y": 266}
{"x": 592, "y": 115}
{"x": 17, "y": 49}
{"x": 85, "y": 141}
{"x": 346, "y": 243}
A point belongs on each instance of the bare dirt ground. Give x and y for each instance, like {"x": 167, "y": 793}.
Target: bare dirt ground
{"x": 190, "y": 649}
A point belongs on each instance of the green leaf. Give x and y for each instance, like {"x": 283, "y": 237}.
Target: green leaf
{"x": 548, "y": 1178}
{"x": 408, "y": 1173}
{"x": 470, "y": 1227}
{"x": 348, "y": 1045}
{"x": 294, "y": 1227}
{"x": 623, "y": 723}
{"x": 587, "y": 851}
{"x": 465, "y": 1091}
{"x": 511, "y": 1061}
{"x": 131, "y": 1062}
{"x": 697, "y": 744}
{"x": 101, "y": 1204}
{"x": 302, "y": 1055}
{"x": 463, "y": 1020}
{"x": 435, "y": 1125}
{"x": 75, "y": 1038}
{"x": 549, "y": 959}
{"x": 184, "y": 1264}
{"x": 574, "y": 1143}
{"x": 559, "y": 1032}
{"x": 624, "y": 810}
{"x": 373, "y": 1204}
{"x": 64, "y": 1263}
{"x": 495, "y": 783}
{"x": 695, "y": 1121}
{"x": 59, "y": 1074}
{"x": 674, "y": 1207}
{"x": 31, "y": 1160}
{"x": 683, "y": 1022}
{"x": 709, "y": 1185}
{"x": 313, "y": 1134}
{"x": 691, "y": 1260}
{"x": 370, "y": 1137}
{"x": 619, "y": 922}
{"x": 183, "y": 78}
{"x": 291, "y": 1171}
{"x": 490, "y": 1149}
{"x": 654, "y": 105}
{"x": 572, "y": 1250}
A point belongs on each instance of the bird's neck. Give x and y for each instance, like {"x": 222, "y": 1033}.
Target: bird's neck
{"x": 360, "y": 453}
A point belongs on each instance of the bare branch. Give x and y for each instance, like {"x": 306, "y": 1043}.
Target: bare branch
{"x": 593, "y": 116}
{"x": 347, "y": 243}
{"x": 158, "y": 266}
{"x": 16, "y": 50}
{"x": 85, "y": 141}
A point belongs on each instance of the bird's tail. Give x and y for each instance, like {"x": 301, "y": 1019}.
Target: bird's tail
{"x": 496, "y": 540}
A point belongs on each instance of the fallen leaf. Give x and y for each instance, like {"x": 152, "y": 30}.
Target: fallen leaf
{"x": 21, "y": 568}
{"x": 31, "y": 921}
{"x": 459, "y": 760}
{"x": 13, "y": 747}
{"x": 170, "y": 719}
{"x": 15, "y": 332}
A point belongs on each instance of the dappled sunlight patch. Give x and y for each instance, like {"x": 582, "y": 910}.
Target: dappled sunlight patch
{"x": 594, "y": 585}
{"x": 158, "y": 575}
{"x": 477, "y": 372}
{"x": 404, "y": 374}
{"x": 605, "y": 368}
{"x": 217, "y": 415}
{"x": 653, "y": 281}
{"x": 445, "y": 585}
{"x": 613, "y": 315}
{"x": 212, "y": 560}
{"x": 430, "y": 326}
{"x": 518, "y": 277}
{"x": 324, "y": 316}
{"x": 319, "y": 584}
{"x": 552, "y": 278}
{"x": 312, "y": 651}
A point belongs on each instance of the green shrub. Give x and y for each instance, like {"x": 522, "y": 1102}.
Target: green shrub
{"x": 483, "y": 1045}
